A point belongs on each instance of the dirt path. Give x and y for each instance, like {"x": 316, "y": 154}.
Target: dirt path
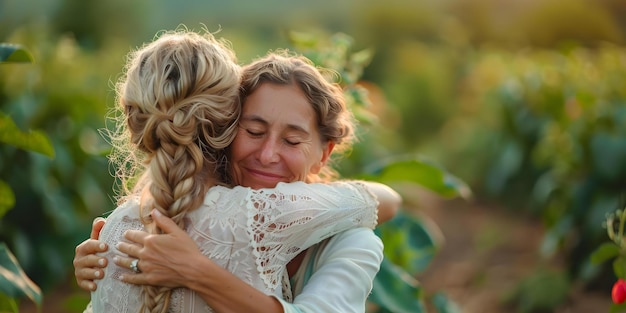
{"x": 485, "y": 254}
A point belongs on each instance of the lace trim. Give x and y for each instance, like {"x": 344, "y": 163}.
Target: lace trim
{"x": 349, "y": 206}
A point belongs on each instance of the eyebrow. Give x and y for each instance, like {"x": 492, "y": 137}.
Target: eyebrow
{"x": 258, "y": 119}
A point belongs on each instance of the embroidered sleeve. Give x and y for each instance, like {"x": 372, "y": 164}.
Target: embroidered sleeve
{"x": 288, "y": 219}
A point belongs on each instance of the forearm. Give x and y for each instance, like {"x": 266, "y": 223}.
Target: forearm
{"x": 389, "y": 200}
{"x": 224, "y": 292}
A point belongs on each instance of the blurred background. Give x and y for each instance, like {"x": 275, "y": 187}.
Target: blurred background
{"x": 523, "y": 100}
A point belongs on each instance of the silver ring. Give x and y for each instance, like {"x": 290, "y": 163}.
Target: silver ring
{"x": 133, "y": 266}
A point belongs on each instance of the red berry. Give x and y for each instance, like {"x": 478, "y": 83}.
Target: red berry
{"x": 619, "y": 291}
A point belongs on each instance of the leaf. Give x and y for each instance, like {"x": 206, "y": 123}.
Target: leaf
{"x": 607, "y": 154}
{"x": 409, "y": 242}
{"x": 13, "y": 281}
{"x": 8, "y": 304}
{"x": 396, "y": 291}
{"x": 362, "y": 59}
{"x": 11, "y": 53}
{"x": 422, "y": 173}
{"x": 303, "y": 40}
{"x": 443, "y": 304}
{"x": 604, "y": 252}
{"x": 616, "y": 308}
{"x": 7, "y": 198}
{"x": 619, "y": 267}
{"x": 32, "y": 140}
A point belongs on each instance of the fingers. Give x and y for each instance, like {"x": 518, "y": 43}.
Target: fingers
{"x": 124, "y": 262}
{"x": 87, "y": 265}
{"x": 132, "y": 250}
{"x": 136, "y": 236}
{"x": 90, "y": 246}
{"x": 86, "y": 254}
{"x": 96, "y": 227}
{"x": 163, "y": 222}
{"x": 85, "y": 277}
{"x": 131, "y": 278}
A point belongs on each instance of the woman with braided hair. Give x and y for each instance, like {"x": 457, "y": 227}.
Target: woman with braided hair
{"x": 179, "y": 97}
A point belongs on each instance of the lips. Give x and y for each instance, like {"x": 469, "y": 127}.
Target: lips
{"x": 265, "y": 175}
{"x": 262, "y": 179}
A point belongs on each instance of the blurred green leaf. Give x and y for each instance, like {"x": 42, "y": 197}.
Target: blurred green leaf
{"x": 12, "y": 53}
{"x": 617, "y": 308}
{"x": 76, "y": 302}
{"x": 13, "y": 280}
{"x": 303, "y": 40}
{"x": 409, "y": 242}
{"x": 608, "y": 152}
{"x": 8, "y": 304}
{"x": 396, "y": 290}
{"x": 541, "y": 291}
{"x": 604, "y": 252}
{"x": 7, "y": 198}
{"x": 422, "y": 173}
{"x": 443, "y": 304}
{"x": 619, "y": 267}
{"x": 33, "y": 140}
{"x": 361, "y": 59}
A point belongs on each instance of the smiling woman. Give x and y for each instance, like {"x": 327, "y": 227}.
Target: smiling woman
{"x": 277, "y": 119}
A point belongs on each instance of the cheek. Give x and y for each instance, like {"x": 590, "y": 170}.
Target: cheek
{"x": 300, "y": 164}
{"x": 239, "y": 148}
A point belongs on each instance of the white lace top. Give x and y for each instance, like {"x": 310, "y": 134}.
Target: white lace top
{"x": 251, "y": 233}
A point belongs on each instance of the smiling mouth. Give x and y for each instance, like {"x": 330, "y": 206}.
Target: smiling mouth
{"x": 265, "y": 175}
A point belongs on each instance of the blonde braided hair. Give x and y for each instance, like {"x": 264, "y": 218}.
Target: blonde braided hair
{"x": 180, "y": 111}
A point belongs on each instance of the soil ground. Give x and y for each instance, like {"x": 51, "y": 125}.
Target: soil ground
{"x": 486, "y": 252}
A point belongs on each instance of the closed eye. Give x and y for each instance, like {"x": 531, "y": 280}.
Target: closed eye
{"x": 292, "y": 142}
{"x": 254, "y": 133}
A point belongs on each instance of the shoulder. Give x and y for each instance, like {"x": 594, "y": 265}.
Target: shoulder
{"x": 128, "y": 209}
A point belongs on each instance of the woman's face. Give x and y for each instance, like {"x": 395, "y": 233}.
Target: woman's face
{"x": 278, "y": 139}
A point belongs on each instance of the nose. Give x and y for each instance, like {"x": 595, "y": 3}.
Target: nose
{"x": 268, "y": 152}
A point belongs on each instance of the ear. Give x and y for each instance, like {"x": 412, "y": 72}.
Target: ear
{"x": 327, "y": 150}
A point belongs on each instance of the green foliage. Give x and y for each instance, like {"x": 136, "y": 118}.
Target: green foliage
{"x": 35, "y": 141}
{"x": 541, "y": 291}
{"x": 396, "y": 291}
{"x": 552, "y": 127}
{"x": 443, "y": 304}
{"x": 14, "y": 283}
{"x": 334, "y": 52}
{"x": 410, "y": 242}
{"x": 614, "y": 250}
{"x": 63, "y": 95}
{"x": 422, "y": 173}
{"x": 7, "y": 198}
{"x": 11, "y": 53}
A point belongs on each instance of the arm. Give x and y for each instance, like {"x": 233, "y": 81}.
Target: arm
{"x": 389, "y": 200}
{"x": 338, "y": 274}
{"x": 87, "y": 266}
{"x": 164, "y": 260}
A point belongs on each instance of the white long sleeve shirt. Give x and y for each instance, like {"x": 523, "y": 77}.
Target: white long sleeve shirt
{"x": 337, "y": 274}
